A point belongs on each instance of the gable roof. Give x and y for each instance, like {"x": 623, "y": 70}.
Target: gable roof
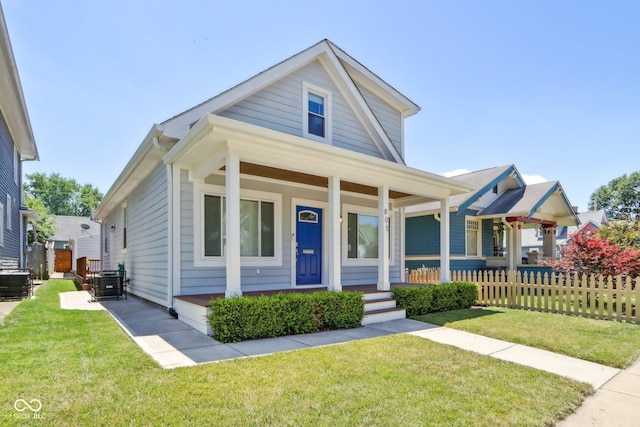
{"x": 483, "y": 181}
{"x": 528, "y": 202}
{"x": 541, "y": 201}
{"x": 12, "y": 104}
{"x": 71, "y": 227}
{"x": 343, "y": 70}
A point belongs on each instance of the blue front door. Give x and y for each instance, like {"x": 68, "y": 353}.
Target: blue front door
{"x": 308, "y": 245}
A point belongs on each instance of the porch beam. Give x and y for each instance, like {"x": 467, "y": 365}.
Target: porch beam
{"x": 445, "y": 242}
{"x": 232, "y": 173}
{"x": 383, "y": 239}
{"x": 334, "y": 282}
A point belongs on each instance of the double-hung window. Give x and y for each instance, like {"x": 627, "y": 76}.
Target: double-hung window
{"x": 361, "y": 235}
{"x": 317, "y": 113}
{"x": 473, "y": 237}
{"x": 259, "y": 227}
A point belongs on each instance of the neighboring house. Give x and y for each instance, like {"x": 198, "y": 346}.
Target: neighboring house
{"x": 487, "y": 224}
{"x": 79, "y": 233}
{"x": 532, "y": 239}
{"x": 292, "y": 179}
{"x": 17, "y": 144}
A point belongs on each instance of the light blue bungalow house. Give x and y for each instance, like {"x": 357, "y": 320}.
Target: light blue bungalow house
{"x": 293, "y": 179}
{"x": 486, "y": 225}
{"x": 17, "y": 144}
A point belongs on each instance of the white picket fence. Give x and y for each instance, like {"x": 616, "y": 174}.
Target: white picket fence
{"x": 599, "y": 297}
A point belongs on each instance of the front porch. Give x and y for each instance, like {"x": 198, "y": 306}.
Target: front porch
{"x": 379, "y": 305}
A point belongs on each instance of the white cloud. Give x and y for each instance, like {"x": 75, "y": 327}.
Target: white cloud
{"x": 533, "y": 179}
{"x": 455, "y": 172}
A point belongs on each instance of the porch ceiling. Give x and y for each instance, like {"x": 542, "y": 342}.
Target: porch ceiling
{"x": 309, "y": 179}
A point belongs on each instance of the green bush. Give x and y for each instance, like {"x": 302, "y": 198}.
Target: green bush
{"x": 246, "y": 318}
{"x": 419, "y": 300}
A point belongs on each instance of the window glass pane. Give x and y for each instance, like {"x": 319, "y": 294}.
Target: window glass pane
{"x": 316, "y": 104}
{"x": 367, "y": 236}
{"x": 267, "y": 222}
{"x": 248, "y": 228}
{"x": 352, "y": 235}
{"x": 316, "y": 125}
{"x": 472, "y": 237}
{"x": 213, "y": 226}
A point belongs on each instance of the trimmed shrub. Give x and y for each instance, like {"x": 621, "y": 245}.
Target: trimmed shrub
{"x": 339, "y": 310}
{"x": 419, "y": 300}
{"x": 415, "y": 299}
{"x": 247, "y": 318}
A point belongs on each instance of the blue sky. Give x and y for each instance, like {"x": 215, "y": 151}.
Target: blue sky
{"x": 550, "y": 86}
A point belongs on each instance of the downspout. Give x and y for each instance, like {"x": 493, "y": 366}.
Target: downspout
{"x": 169, "y": 172}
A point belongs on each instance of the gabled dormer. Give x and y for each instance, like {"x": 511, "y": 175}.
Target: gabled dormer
{"x": 321, "y": 94}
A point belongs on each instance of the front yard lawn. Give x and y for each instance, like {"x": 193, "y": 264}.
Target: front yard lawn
{"x": 86, "y": 371}
{"x": 610, "y": 343}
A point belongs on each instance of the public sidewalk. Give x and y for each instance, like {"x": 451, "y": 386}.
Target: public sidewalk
{"x": 174, "y": 344}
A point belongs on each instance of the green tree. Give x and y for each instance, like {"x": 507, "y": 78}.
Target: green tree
{"x": 46, "y": 226}
{"x": 620, "y": 198}
{"x": 625, "y": 234}
{"x": 63, "y": 196}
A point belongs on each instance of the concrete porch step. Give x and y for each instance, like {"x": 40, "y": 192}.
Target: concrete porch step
{"x": 384, "y": 315}
{"x": 377, "y": 295}
{"x": 379, "y": 304}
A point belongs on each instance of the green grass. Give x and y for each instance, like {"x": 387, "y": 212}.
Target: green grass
{"x": 86, "y": 371}
{"x": 614, "y": 344}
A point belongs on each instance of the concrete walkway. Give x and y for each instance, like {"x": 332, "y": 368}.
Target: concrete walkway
{"x": 174, "y": 344}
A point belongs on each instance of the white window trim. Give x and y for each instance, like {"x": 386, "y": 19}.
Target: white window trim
{"x": 306, "y": 88}
{"x": 369, "y": 262}
{"x": 478, "y": 243}
{"x": 1, "y": 225}
{"x": 9, "y": 221}
{"x": 200, "y": 260}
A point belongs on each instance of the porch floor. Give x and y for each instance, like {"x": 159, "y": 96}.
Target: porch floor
{"x": 203, "y": 299}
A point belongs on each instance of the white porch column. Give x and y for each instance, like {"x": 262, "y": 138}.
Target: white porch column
{"x": 445, "y": 242}
{"x": 383, "y": 238}
{"x": 233, "y": 226}
{"x": 549, "y": 242}
{"x": 334, "y": 282}
{"x": 514, "y": 247}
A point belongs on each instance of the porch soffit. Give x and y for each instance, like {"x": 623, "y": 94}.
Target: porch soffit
{"x": 309, "y": 179}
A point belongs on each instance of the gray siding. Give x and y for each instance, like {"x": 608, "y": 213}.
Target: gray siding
{"x": 388, "y": 117}
{"x": 200, "y": 280}
{"x": 10, "y": 250}
{"x": 279, "y": 107}
{"x": 146, "y": 257}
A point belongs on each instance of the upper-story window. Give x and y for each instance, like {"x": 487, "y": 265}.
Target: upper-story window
{"x": 317, "y": 113}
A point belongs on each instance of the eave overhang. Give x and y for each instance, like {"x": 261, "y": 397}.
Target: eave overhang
{"x": 204, "y": 148}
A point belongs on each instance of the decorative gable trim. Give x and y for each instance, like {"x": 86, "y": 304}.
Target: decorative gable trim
{"x": 489, "y": 187}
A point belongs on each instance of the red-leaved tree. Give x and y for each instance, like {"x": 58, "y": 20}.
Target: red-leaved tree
{"x": 588, "y": 253}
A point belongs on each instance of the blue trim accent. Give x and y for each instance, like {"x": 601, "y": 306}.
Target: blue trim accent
{"x": 471, "y": 200}
{"x": 544, "y": 198}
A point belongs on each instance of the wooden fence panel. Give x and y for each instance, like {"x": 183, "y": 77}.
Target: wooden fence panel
{"x": 580, "y": 295}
